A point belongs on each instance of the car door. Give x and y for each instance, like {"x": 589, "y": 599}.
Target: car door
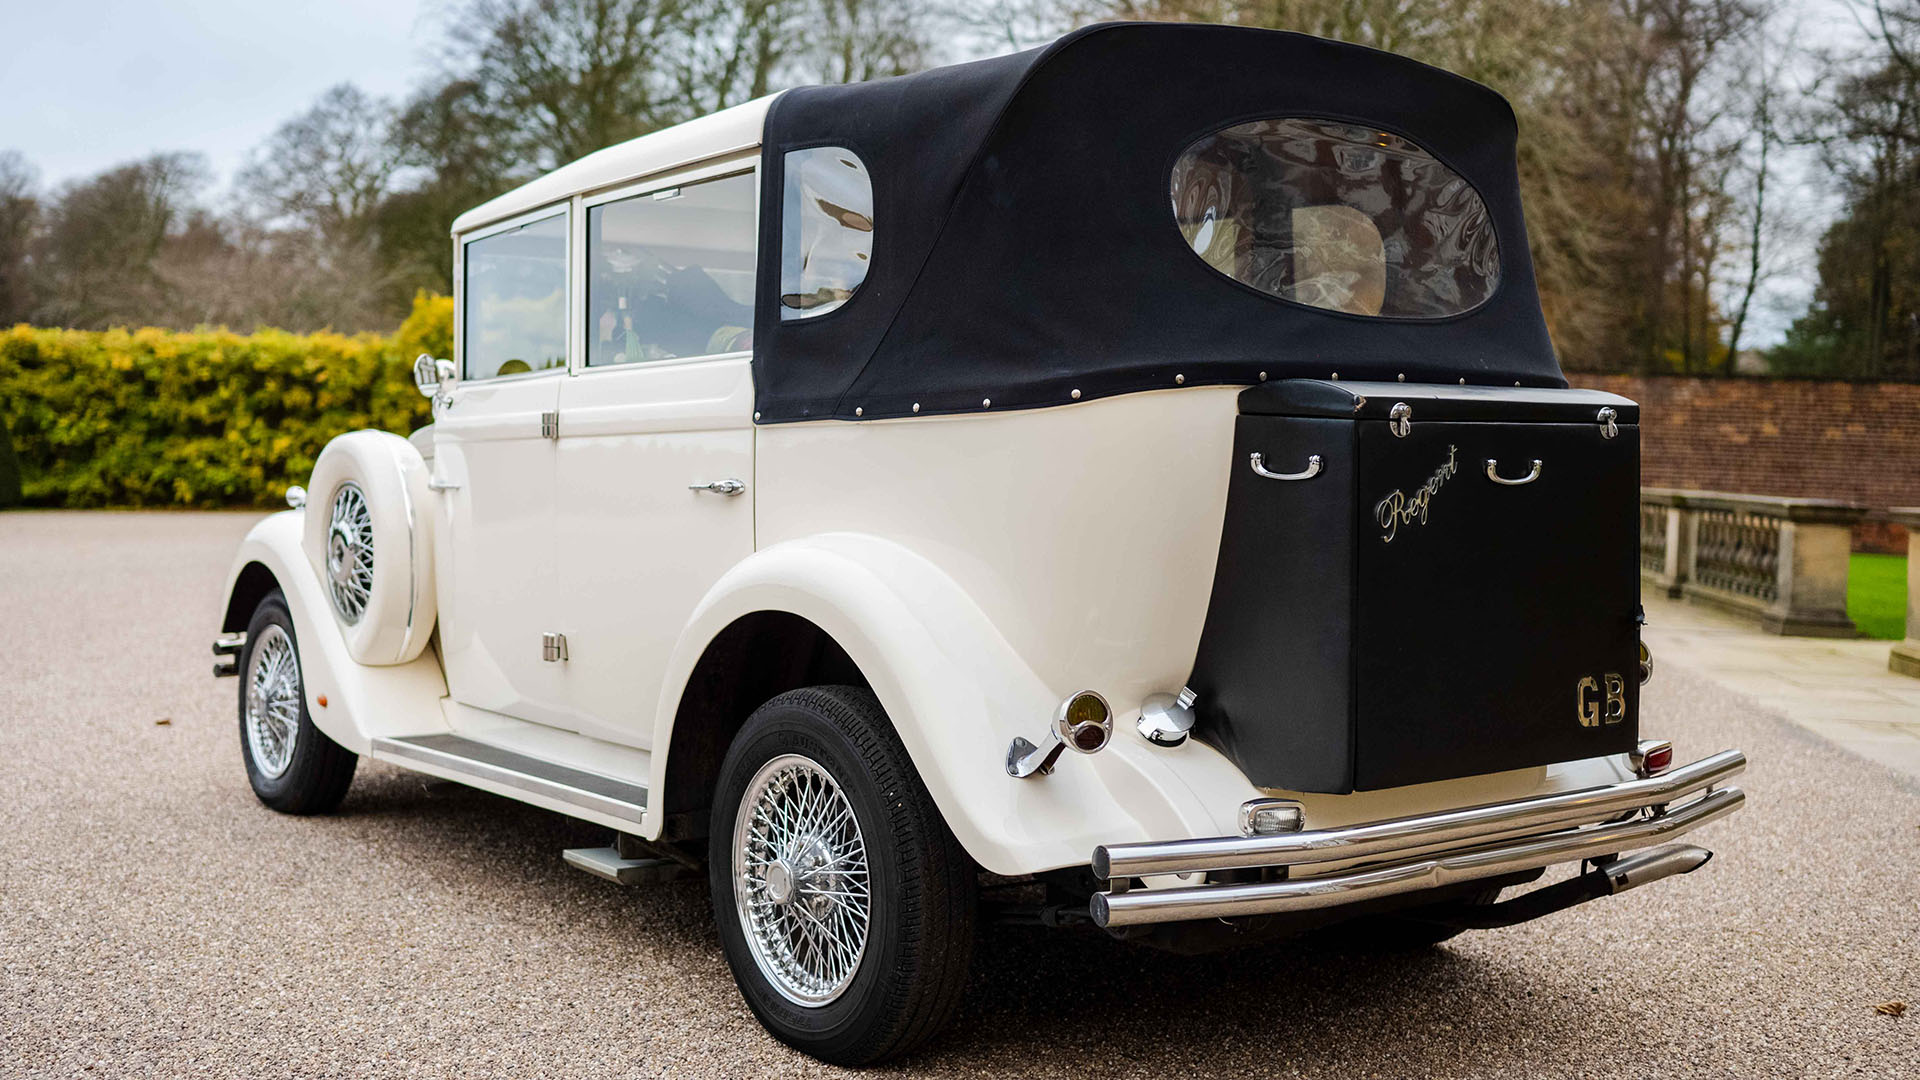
{"x": 497, "y": 575}
{"x": 655, "y": 455}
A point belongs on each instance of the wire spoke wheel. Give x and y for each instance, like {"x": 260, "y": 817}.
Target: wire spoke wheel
{"x": 273, "y": 702}
{"x": 800, "y": 880}
{"x": 350, "y": 552}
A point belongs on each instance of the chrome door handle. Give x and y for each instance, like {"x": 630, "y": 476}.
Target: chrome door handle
{"x": 1312, "y": 470}
{"x": 1493, "y": 474}
{"x": 720, "y": 487}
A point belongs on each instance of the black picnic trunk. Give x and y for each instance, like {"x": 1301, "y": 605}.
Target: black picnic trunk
{"x": 1401, "y": 617}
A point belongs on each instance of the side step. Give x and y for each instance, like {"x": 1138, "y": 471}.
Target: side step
{"x": 608, "y": 863}
{"x": 458, "y": 758}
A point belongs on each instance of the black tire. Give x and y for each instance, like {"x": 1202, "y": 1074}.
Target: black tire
{"x": 919, "y": 944}
{"x": 317, "y": 776}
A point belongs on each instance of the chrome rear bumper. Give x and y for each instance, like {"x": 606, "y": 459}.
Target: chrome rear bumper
{"x": 1413, "y": 853}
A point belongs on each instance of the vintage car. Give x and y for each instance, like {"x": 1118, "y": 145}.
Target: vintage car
{"x": 808, "y": 477}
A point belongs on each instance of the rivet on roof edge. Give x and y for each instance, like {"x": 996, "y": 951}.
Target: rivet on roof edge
{"x": 1076, "y": 395}
{"x": 1179, "y": 380}
{"x": 1463, "y": 382}
{"x": 986, "y": 403}
{"x": 1403, "y": 376}
{"x": 1263, "y": 376}
{"x": 916, "y": 406}
{"x": 1336, "y": 376}
{"x": 756, "y": 415}
{"x": 858, "y": 411}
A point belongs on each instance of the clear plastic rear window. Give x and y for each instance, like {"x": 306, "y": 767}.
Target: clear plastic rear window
{"x": 1333, "y": 215}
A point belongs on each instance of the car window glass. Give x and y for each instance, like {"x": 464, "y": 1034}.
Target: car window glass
{"x": 1336, "y": 216}
{"x": 826, "y": 238}
{"x": 670, "y": 273}
{"x": 516, "y": 300}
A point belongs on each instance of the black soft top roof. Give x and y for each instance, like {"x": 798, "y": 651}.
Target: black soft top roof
{"x": 1025, "y": 245}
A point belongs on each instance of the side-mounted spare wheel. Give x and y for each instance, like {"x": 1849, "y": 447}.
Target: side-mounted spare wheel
{"x": 369, "y": 535}
{"x": 844, "y": 904}
{"x": 291, "y": 764}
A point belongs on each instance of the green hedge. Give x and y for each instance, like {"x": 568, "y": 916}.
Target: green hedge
{"x": 202, "y": 419}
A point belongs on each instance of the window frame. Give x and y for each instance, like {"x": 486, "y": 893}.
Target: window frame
{"x": 743, "y": 163}
{"x": 460, "y": 245}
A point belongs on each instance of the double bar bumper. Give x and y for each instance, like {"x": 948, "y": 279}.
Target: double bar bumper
{"x": 1401, "y": 855}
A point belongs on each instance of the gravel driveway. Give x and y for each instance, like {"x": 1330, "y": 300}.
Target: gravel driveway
{"x": 156, "y": 921}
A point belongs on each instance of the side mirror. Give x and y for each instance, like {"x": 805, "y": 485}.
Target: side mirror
{"x": 435, "y": 378}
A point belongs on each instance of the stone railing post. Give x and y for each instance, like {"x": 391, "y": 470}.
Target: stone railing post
{"x": 1666, "y": 538}
{"x": 1782, "y": 561}
{"x": 1905, "y": 657}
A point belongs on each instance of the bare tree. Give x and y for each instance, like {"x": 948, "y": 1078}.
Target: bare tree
{"x": 97, "y": 251}
{"x": 327, "y": 169}
{"x": 19, "y": 212}
{"x": 567, "y": 77}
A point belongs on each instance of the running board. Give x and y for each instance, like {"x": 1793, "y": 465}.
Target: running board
{"x": 606, "y": 862}
{"x": 458, "y": 758}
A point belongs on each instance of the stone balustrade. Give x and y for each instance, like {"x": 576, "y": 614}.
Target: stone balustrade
{"x": 1905, "y": 658}
{"x": 1780, "y": 561}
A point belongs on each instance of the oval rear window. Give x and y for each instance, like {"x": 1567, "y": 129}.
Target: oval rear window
{"x": 1336, "y": 216}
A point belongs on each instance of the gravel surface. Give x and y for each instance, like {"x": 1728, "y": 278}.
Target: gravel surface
{"x": 156, "y": 921}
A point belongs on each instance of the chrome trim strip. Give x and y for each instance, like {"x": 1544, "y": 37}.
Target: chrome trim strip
{"x": 481, "y": 761}
{"x": 1139, "y": 906}
{"x": 1478, "y": 824}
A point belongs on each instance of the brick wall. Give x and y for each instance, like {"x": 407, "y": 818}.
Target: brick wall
{"x": 1858, "y": 441}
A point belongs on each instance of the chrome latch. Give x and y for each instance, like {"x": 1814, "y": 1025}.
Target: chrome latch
{"x": 729, "y": 486}
{"x": 549, "y": 425}
{"x": 553, "y": 648}
{"x": 1400, "y": 419}
{"x": 1609, "y": 422}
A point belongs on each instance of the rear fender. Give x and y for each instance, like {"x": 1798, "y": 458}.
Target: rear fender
{"x": 362, "y": 701}
{"x": 957, "y": 693}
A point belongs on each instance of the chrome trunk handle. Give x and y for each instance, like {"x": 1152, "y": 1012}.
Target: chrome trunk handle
{"x": 1493, "y": 474}
{"x": 1312, "y": 470}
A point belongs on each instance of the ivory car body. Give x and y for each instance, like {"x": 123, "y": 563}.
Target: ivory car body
{"x": 1158, "y": 494}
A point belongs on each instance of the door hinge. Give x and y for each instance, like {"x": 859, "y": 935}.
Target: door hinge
{"x": 553, "y": 648}
{"x": 549, "y": 425}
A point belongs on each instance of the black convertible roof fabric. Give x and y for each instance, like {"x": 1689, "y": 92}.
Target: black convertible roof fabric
{"x": 1025, "y": 246}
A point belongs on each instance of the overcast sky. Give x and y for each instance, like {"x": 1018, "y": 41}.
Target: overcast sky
{"x": 85, "y": 84}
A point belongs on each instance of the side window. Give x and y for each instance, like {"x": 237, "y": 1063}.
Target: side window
{"x": 670, "y": 273}
{"x": 515, "y": 317}
{"x": 826, "y": 235}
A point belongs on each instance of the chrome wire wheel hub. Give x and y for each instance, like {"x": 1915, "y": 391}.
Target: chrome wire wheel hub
{"x": 273, "y": 702}
{"x": 350, "y": 552}
{"x": 800, "y": 880}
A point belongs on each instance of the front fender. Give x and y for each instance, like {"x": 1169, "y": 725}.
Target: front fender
{"x": 362, "y": 701}
{"x": 958, "y": 694}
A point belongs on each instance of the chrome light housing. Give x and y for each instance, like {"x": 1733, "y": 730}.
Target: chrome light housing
{"x": 1083, "y": 722}
{"x": 1267, "y": 817}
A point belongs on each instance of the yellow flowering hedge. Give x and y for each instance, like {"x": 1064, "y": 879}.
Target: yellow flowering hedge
{"x": 202, "y": 419}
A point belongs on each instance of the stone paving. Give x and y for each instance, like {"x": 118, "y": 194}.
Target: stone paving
{"x": 1840, "y": 690}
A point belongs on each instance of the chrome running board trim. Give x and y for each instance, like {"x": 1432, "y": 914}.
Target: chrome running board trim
{"x": 480, "y": 761}
{"x": 1403, "y": 836}
{"x": 1140, "y": 906}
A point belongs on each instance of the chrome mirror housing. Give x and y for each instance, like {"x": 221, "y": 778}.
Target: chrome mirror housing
{"x": 435, "y": 378}
{"x": 426, "y": 374}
